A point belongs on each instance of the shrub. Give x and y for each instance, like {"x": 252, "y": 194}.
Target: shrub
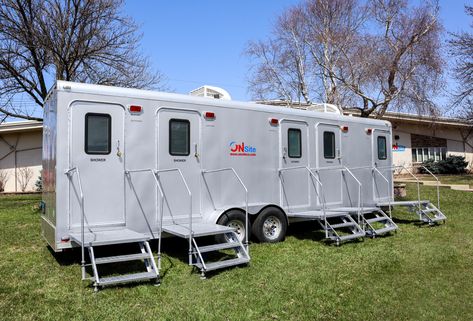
{"x": 39, "y": 183}
{"x": 450, "y": 165}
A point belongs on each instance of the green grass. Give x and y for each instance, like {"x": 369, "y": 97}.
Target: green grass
{"x": 446, "y": 179}
{"x": 419, "y": 273}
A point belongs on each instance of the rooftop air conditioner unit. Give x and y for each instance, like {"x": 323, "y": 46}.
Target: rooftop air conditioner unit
{"x": 211, "y": 92}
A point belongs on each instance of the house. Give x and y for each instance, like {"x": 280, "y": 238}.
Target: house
{"x": 20, "y": 155}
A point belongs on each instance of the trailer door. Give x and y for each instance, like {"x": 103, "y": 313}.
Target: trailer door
{"x": 329, "y": 162}
{"x": 96, "y": 150}
{"x": 381, "y": 159}
{"x": 295, "y": 188}
{"x": 179, "y": 148}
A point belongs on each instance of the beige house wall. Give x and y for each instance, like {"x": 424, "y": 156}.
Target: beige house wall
{"x": 456, "y": 145}
{"x": 19, "y": 150}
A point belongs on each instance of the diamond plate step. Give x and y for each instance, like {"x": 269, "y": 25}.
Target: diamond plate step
{"x": 341, "y": 225}
{"x": 377, "y": 219}
{"x": 348, "y": 237}
{"x": 121, "y": 258}
{"x": 223, "y": 264}
{"x": 128, "y": 278}
{"x": 219, "y": 246}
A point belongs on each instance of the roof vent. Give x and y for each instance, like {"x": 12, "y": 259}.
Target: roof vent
{"x": 326, "y": 108}
{"x": 211, "y": 92}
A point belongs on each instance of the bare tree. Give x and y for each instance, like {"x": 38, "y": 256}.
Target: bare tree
{"x": 4, "y": 176}
{"x": 461, "y": 48}
{"x": 75, "y": 40}
{"x": 369, "y": 56}
{"x": 25, "y": 174}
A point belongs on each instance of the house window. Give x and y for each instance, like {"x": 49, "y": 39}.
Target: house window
{"x": 382, "y": 149}
{"x": 329, "y": 145}
{"x": 422, "y": 154}
{"x": 294, "y": 143}
{"x": 98, "y": 132}
{"x": 179, "y": 137}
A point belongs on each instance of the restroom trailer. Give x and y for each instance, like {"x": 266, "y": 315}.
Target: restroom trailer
{"x": 128, "y": 166}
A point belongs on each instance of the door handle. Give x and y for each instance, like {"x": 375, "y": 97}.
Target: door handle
{"x": 196, "y": 153}
{"x": 119, "y": 153}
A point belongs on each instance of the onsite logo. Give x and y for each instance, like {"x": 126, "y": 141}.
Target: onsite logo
{"x": 241, "y": 150}
{"x": 398, "y": 148}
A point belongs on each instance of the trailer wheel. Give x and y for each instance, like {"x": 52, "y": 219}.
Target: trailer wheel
{"x": 235, "y": 219}
{"x": 270, "y": 226}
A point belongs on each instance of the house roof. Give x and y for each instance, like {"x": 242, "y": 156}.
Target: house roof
{"x": 420, "y": 119}
{"x": 21, "y": 126}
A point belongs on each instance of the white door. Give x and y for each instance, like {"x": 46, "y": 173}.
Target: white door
{"x": 179, "y": 148}
{"x": 96, "y": 150}
{"x": 381, "y": 159}
{"x": 295, "y": 189}
{"x": 329, "y": 162}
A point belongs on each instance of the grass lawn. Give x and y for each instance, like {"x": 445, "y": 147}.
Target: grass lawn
{"x": 419, "y": 273}
{"x": 445, "y": 179}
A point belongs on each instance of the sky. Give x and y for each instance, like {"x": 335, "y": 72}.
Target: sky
{"x": 195, "y": 43}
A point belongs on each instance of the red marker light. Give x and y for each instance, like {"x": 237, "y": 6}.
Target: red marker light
{"x": 344, "y": 128}
{"x": 135, "y": 109}
{"x": 274, "y": 121}
{"x": 369, "y": 131}
{"x": 209, "y": 115}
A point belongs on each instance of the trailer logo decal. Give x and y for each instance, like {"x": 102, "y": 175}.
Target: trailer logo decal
{"x": 241, "y": 149}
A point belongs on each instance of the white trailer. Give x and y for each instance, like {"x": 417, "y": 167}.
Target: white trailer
{"x": 127, "y": 166}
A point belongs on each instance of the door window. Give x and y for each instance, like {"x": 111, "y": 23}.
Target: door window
{"x": 179, "y": 137}
{"x": 382, "y": 150}
{"x": 329, "y": 145}
{"x": 98, "y": 132}
{"x": 294, "y": 143}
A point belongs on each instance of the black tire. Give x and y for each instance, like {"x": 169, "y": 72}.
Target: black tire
{"x": 270, "y": 225}
{"x": 236, "y": 219}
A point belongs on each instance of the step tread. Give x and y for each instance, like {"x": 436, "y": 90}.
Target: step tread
{"x": 345, "y": 224}
{"x": 127, "y": 278}
{"x": 385, "y": 230}
{"x": 378, "y": 219}
{"x": 429, "y": 210}
{"x": 121, "y": 258}
{"x": 349, "y": 237}
{"x": 219, "y": 246}
{"x": 223, "y": 264}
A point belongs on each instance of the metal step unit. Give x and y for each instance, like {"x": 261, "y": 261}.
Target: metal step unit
{"x": 377, "y": 217}
{"x": 93, "y": 240}
{"x": 425, "y": 210}
{"x": 334, "y": 225}
{"x": 197, "y": 253}
{"x": 334, "y": 221}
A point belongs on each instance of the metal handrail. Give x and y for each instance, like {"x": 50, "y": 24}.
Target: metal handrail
{"x": 191, "y": 232}
{"x": 158, "y": 184}
{"x": 342, "y": 170}
{"x": 246, "y": 195}
{"x": 69, "y": 173}
{"x": 412, "y": 174}
{"x": 438, "y": 184}
{"x": 375, "y": 169}
{"x": 320, "y": 196}
{"x": 360, "y": 202}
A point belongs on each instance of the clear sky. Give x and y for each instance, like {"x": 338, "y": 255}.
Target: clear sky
{"x": 198, "y": 43}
